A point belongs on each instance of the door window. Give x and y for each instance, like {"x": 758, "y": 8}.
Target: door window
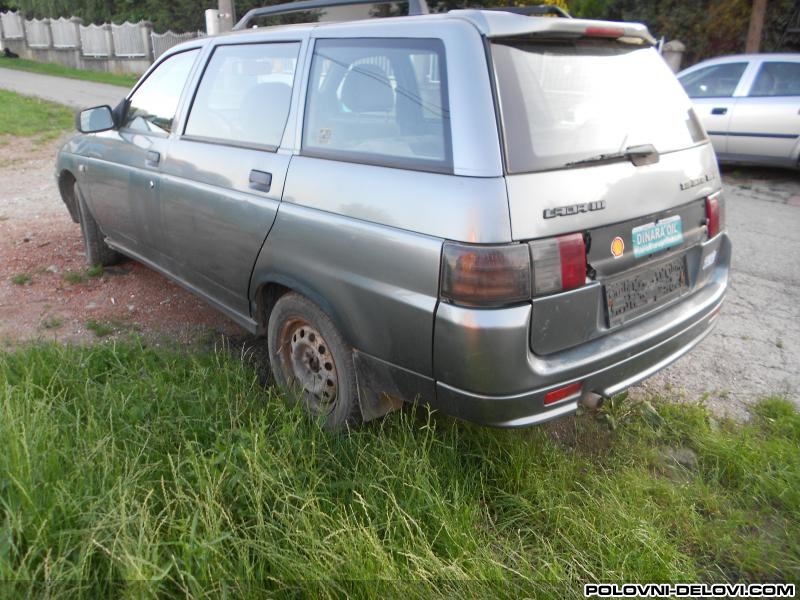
{"x": 154, "y": 103}
{"x": 245, "y": 94}
{"x": 380, "y": 102}
{"x": 717, "y": 81}
{"x": 777, "y": 79}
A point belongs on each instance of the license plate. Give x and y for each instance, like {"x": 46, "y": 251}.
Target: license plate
{"x": 646, "y": 289}
{"x": 652, "y": 237}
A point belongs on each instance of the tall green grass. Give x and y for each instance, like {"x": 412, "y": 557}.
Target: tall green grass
{"x": 131, "y": 471}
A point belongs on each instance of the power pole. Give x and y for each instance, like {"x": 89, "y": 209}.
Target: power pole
{"x": 227, "y": 15}
{"x": 756, "y": 26}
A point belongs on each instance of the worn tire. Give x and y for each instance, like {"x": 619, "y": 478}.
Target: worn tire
{"x": 308, "y": 367}
{"x": 97, "y": 251}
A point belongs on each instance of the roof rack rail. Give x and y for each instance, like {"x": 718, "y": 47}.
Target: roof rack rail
{"x": 415, "y": 7}
{"x": 540, "y": 10}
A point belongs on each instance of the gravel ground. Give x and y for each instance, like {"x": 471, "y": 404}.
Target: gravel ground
{"x": 754, "y": 352}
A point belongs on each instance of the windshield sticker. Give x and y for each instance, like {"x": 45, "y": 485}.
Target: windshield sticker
{"x": 652, "y": 237}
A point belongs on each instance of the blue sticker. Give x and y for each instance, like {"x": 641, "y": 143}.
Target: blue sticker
{"x": 653, "y": 237}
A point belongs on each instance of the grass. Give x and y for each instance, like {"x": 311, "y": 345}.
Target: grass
{"x": 24, "y": 116}
{"x": 98, "y": 328}
{"x": 76, "y": 277}
{"x": 53, "y": 322}
{"x": 32, "y": 66}
{"x": 21, "y": 279}
{"x": 132, "y": 471}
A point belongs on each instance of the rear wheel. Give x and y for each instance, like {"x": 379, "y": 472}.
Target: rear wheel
{"x": 97, "y": 251}
{"x": 311, "y": 360}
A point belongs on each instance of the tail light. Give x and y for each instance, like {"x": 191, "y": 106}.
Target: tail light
{"x": 559, "y": 264}
{"x": 714, "y": 215}
{"x": 485, "y": 275}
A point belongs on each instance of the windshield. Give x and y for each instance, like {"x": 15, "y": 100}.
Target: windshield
{"x": 566, "y": 101}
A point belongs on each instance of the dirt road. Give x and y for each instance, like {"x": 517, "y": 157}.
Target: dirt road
{"x": 755, "y": 350}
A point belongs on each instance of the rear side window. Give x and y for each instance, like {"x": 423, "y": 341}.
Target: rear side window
{"x": 777, "y": 79}
{"x": 717, "y": 81}
{"x": 153, "y": 105}
{"x": 245, "y": 94}
{"x": 380, "y": 102}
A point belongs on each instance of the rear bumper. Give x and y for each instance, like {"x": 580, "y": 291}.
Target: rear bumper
{"x": 486, "y": 372}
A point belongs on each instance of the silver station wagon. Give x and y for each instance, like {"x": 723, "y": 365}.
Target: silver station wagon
{"x": 497, "y": 214}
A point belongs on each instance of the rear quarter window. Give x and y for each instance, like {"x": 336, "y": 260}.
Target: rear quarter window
{"x": 379, "y": 102}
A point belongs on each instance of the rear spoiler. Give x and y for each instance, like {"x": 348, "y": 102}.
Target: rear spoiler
{"x": 503, "y": 23}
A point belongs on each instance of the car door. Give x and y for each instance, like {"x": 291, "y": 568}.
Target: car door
{"x": 224, "y": 175}
{"x": 123, "y": 164}
{"x": 712, "y": 91}
{"x": 765, "y": 124}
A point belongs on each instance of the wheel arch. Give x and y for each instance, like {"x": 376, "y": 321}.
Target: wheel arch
{"x": 66, "y": 187}
{"x": 274, "y": 285}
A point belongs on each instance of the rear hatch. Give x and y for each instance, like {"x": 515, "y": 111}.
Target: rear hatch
{"x": 600, "y": 140}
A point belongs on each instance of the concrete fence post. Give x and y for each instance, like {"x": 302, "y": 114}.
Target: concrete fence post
{"x": 109, "y": 40}
{"x": 77, "y": 22}
{"x": 145, "y": 30}
{"x": 49, "y": 28}
{"x": 673, "y": 54}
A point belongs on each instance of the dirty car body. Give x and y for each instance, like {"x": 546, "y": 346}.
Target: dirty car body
{"x": 500, "y": 214}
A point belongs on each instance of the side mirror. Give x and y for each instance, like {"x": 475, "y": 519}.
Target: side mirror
{"x": 93, "y": 120}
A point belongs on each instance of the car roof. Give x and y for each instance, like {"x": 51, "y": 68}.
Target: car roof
{"x": 491, "y": 23}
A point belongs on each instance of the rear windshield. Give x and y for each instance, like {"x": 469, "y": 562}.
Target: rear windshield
{"x": 565, "y": 101}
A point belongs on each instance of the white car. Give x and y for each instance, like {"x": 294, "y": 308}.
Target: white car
{"x": 750, "y": 106}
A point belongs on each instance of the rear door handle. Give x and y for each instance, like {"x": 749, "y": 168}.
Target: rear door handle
{"x": 153, "y": 158}
{"x": 720, "y": 110}
{"x": 260, "y": 180}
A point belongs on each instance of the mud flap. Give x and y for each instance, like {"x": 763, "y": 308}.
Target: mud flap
{"x": 384, "y": 387}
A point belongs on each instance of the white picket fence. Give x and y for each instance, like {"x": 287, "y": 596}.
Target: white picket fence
{"x": 126, "y": 40}
{"x": 38, "y": 33}
{"x": 164, "y": 41}
{"x": 11, "y": 23}
{"x": 65, "y": 33}
{"x": 94, "y": 41}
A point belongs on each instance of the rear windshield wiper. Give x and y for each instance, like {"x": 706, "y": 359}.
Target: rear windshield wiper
{"x": 646, "y": 154}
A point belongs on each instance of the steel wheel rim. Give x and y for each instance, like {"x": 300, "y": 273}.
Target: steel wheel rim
{"x": 308, "y": 362}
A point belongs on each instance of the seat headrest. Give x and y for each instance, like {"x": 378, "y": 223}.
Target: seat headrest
{"x": 263, "y": 111}
{"x": 366, "y": 88}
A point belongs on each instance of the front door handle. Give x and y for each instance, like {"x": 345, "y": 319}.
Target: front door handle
{"x": 260, "y": 180}
{"x": 153, "y": 158}
{"x": 720, "y": 110}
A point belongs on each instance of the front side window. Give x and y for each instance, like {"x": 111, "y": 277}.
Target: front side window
{"x": 777, "y": 79}
{"x": 245, "y": 94}
{"x": 380, "y": 102}
{"x": 153, "y": 105}
{"x": 717, "y": 81}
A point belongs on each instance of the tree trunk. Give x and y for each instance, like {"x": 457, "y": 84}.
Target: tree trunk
{"x": 756, "y": 26}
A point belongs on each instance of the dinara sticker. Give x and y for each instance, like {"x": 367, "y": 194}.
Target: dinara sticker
{"x": 652, "y": 237}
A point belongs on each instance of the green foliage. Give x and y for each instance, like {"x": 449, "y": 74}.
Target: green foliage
{"x": 708, "y": 28}
{"x": 31, "y": 117}
{"x": 130, "y": 471}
